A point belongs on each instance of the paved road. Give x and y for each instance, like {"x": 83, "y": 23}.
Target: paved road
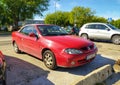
{"x": 24, "y": 69}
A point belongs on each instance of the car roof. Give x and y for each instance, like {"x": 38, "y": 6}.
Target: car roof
{"x": 95, "y": 23}
{"x": 37, "y": 24}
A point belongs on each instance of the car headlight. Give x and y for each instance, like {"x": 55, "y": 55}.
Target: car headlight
{"x": 73, "y": 51}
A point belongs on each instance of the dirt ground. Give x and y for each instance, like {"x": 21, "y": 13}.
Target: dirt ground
{"x": 108, "y": 49}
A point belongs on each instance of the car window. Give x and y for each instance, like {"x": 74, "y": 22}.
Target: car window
{"x": 96, "y": 26}
{"x": 101, "y": 27}
{"x": 92, "y": 26}
{"x": 28, "y": 29}
{"x": 51, "y": 30}
{"x": 112, "y": 27}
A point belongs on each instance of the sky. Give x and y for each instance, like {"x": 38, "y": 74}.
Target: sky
{"x": 102, "y": 8}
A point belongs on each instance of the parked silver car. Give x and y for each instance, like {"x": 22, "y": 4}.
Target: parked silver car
{"x": 101, "y": 31}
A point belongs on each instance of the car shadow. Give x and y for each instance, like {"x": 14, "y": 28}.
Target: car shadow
{"x": 102, "y": 41}
{"x": 20, "y": 72}
{"x": 99, "y": 61}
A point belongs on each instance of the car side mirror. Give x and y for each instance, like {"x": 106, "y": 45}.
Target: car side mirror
{"x": 108, "y": 29}
{"x": 33, "y": 35}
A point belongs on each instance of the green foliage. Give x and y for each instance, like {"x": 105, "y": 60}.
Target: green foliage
{"x": 58, "y": 18}
{"x": 99, "y": 19}
{"x": 16, "y": 10}
{"x": 78, "y": 16}
{"x": 116, "y": 23}
{"x": 81, "y": 15}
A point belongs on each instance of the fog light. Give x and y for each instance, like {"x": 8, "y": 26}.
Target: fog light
{"x": 72, "y": 63}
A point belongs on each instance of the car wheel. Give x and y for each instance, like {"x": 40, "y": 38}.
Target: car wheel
{"x": 49, "y": 59}
{"x": 85, "y": 36}
{"x": 16, "y": 49}
{"x": 116, "y": 39}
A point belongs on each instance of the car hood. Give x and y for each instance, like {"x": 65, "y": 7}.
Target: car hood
{"x": 117, "y": 31}
{"x": 69, "y": 41}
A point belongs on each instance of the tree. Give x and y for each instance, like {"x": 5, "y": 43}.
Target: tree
{"x": 81, "y": 15}
{"x": 17, "y": 10}
{"x": 116, "y": 23}
{"x": 99, "y": 19}
{"x": 50, "y": 18}
{"x": 59, "y": 18}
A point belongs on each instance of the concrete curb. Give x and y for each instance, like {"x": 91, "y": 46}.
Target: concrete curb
{"x": 96, "y": 76}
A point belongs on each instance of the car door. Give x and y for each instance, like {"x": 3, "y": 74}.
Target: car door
{"x": 103, "y": 32}
{"x": 91, "y": 31}
{"x": 30, "y": 44}
{"x": 34, "y": 43}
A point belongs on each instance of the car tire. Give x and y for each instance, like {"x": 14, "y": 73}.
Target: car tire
{"x": 116, "y": 39}
{"x": 85, "y": 36}
{"x": 16, "y": 49}
{"x": 49, "y": 60}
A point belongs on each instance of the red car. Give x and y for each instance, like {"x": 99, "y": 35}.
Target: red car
{"x": 2, "y": 69}
{"x": 53, "y": 45}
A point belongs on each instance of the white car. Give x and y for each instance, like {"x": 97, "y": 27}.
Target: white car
{"x": 101, "y": 31}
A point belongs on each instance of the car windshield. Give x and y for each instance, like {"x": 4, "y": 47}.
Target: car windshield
{"x": 112, "y": 27}
{"x": 51, "y": 30}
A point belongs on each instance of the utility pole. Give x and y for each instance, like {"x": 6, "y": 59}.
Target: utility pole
{"x": 55, "y": 11}
{"x": 55, "y": 3}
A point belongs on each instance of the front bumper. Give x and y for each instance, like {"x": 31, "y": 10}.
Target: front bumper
{"x": 76, "y": 60}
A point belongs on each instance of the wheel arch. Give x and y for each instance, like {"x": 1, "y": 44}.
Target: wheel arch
{"x": 43, "y": 50}
{"x": 54, "y": 66}
{"x": 85, "y": 34}
{"x": 114, "y": 35}
{"x": 13, "y": 42}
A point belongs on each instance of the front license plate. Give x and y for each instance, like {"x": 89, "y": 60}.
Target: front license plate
{"x": 90, "y": 56}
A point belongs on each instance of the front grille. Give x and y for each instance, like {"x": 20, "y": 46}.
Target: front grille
{"x": 87, "y": 48}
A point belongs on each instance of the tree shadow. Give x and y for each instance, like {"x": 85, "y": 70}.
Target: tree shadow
{"x": 99, "y": 61}
{"x": 20, "y": 72}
